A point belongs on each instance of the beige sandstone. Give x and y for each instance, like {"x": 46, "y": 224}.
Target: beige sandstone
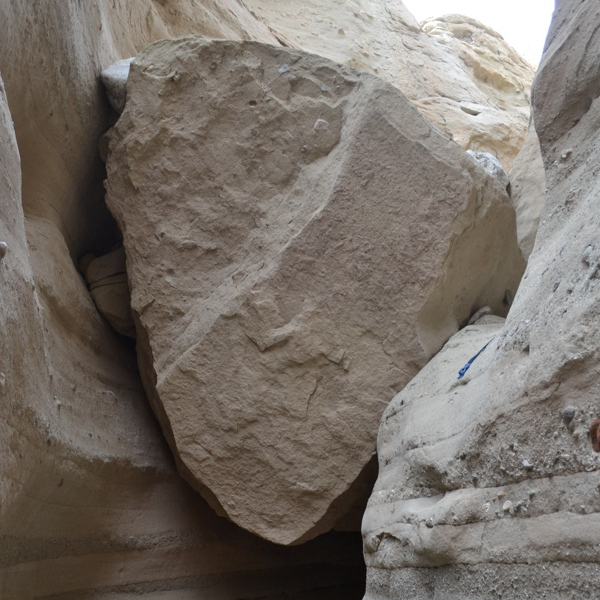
{"x": 299, "y": 242}
{"x": 106, "y": 276}
{"x": 91, "y": 504}
{"x": 460, "y": 74}
{"x": 491, "y": 115}
{"x": 528, "y": 184}
{"x": 491, "y": 487}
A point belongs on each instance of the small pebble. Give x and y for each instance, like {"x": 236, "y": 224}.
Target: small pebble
{"x": 566, "y": 153}
{"x": 568, "y": 413}
{"x": 507, "y": 506}
{"x": 527, "y": 464}
{"x": 3, "y": 249}
{"x": 284, "y": 69}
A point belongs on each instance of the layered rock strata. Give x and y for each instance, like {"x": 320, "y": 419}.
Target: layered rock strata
{"x": 299, "y": 242}
{"x": 490, "y": 487}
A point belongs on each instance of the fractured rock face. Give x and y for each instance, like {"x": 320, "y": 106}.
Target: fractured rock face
{"x": 299, "y": 242}
{"x": 493, "y": 485}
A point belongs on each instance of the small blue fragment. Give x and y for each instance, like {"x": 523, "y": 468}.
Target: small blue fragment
{"x": 284, "y": 69}
{"x": 471, "y": 361}
{"x": 324, "y": 89}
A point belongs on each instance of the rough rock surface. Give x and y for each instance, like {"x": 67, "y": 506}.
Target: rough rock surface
{"x": 460, "y": 74}
{"x": 107, "y": 277}
{"x": 492, "y": 165}
{"x": 91, "y": 504}
{"x": 114, "y": 78}
{"x": 490, "y": 115}
{"x": 299, "y": 242}
{"x": 528, "y": 186}
{"x": 492, "y": 489}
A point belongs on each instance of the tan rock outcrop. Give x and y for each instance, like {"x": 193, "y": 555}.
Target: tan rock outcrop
{"x": 491, "y": 115}
{"x": 91, "y": 504}
{"x": 460, "y": 74}
{"x": 299, "y": 241}
{"x": 19, "y": 319}
{"x": 51, "y": 55}
{"x": 492, "y": 485}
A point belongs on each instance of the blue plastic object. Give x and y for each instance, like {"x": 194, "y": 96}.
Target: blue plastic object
{"x": 471, "y": 361}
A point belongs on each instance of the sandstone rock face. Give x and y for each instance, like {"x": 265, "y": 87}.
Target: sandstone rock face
{"x": 528, "y": 185}
{"x": 299, "y": 242}
{"x": 19, "y": 316}
{"x": 491, "y": 487}
{"x": 460, "y": 74}
{"x": 91, "y": 504}
{"x": 107, "y": 278}
{"x": 51, "y": 55}
{"x": 492, "y": 117}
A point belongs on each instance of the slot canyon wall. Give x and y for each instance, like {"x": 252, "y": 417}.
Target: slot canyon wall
{"x": 488, "y": 486}
{"x": 98, "y": 465}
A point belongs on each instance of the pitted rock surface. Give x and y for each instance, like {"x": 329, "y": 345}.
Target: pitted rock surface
{"x": 299, "y": 242}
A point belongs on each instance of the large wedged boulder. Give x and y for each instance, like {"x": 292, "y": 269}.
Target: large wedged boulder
{"x": 91, "y": 504}
{"x": 299, "y": 242}
{"x": 491, "y": 487}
